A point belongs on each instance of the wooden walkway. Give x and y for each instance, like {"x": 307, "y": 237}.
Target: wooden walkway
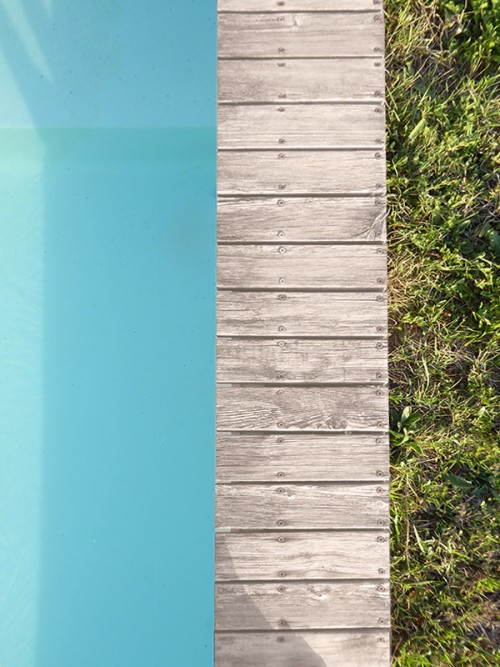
{"x": 302, "y": 517}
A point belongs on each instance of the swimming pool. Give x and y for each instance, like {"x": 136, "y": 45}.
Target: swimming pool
{"x": 107, "y": 255}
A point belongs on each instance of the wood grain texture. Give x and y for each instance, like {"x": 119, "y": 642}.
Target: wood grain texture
{"x": 300, "y": 126}
{"x": 300, "y": 219}
{"x": 305, "y": 361}
{"x": 299, "y": 35}
{"x": 301, "y": 80}
{"x": 296, "y": 5}
{"x": 301, "y": 555}
{"x": 304, "y": 457}
{"x": 303, "y": 649}
{"x": 301, "y": 266}
{"x": 338, "y": 408}
{"x": 301, "y": 172}
{"x": 301, "y": 506}
{"x": 350, "y": 314}
{"x": 264, "y": 606}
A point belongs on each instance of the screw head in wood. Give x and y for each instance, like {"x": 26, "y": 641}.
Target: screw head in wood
{"x": 281, "y": 343}
{"x": 281, "y": 589}
{"x": 281, "y": 156}
{"x": 380, "y": 298}
{"x": 280, "y": 440}
{"x": 380, "y": 538}
{"x": 281, "y": 64}
{"x": 282, "y": 96}
{"x": 281, "y": 49}
{"x": 282, "y": 186}
{"x": 381, "y": 621}
{"x": 380, "y": 473}
{"x": 380, "y": 522}
{"x": 378, "y": 93}
{"x": 379, "y": 393}
{"x": 280, "y": 475}
{"x": 381, "y": 570}
{"x": 282, "y": 623}
{"x": 281, "y": 297}
{"x": 380, "y": 589}
{"x": 281, "y": 140}
{"x": 280, "y": 523}
{"x": 281, "y": 328}
{"x": 281, "y": 281}
{"x": 378, "y": 376}
{"x": 377, "y": 49}
{"x": 378, "y": 156}
{"x": 281, "y": 539}
{"x": 281, "y": 425}
{"x": 281, "y": 202}
{"x": 377, "y": 64}
{"x": 281, "y": 109}
{"x": 282, "y": 574}
{"x": 380, "y": 281}
{"x": 280, "y": 489}
{"x": 377, "y": 18}
{"x": 379, "y": 345}
{"x": 282, "y": 250}
{"x": 280, "y": 639}
{"x": 379, "y": 441}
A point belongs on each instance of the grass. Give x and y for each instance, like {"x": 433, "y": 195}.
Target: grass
{"x": 443, "y": 119}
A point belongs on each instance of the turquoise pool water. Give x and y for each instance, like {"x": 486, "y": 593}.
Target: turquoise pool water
{"x": 107, "y": 261}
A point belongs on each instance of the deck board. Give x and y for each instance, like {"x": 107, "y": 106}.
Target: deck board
{"x": 301, "y": 80}
{"x": 292, "y": 457}
{"x": 301, "y": 555}
{"x": 302, "y": 606}
{"x": 299, "y": 35}
{"x": 300, "y": 219}
{"x": 303, "y": 649}
{"x": 349, "y": 314}
{"x": 304, "y": 126}
{"x": 296, "y": 5}
{"x": 302, "y": 470}
{"x": 300, "y": 267}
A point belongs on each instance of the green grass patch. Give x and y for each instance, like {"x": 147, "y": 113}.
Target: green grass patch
{"x": 443, "y": 117}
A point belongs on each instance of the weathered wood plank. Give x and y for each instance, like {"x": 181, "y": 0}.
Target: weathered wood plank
{"x": 291, "y": 360}
{"x": 299, "y": 35}
{"x": 297, "y": 5}
{"x": 302, "y": 555}
{"x": 300, "y": 126}
{"x": 303, "y": 649}
{"x": 301, "y": 506}
{"x": 301, "y": 172}
{"x": 338, "y": 408}
{"x": 301, "y": 266}
{"x": 294, "y": 605}
{"x": 301, "y": 314}
{"x": 305, "y": 457}
{"x": 301, "y": 80}
{"x": 300, "y": 219}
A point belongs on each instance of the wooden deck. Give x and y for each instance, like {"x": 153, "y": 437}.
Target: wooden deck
{"x": 302, "y": 516}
